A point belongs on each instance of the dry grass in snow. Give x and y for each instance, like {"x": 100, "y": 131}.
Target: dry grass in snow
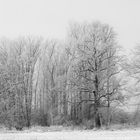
{"x": 73, "y": 135}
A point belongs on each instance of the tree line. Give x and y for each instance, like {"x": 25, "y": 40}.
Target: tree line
{"x": 48, "y": 82}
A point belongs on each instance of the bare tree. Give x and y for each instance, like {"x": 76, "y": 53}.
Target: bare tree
{"x": 95, "y": 62}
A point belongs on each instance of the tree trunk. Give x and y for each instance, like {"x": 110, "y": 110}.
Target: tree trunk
{"x": 108, "y": 86}
{"x": 96, "y": 103}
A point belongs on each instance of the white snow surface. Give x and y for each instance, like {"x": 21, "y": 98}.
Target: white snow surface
{"x": 73, "y": 135}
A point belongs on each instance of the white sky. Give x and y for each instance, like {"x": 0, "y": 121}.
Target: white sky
{"x": 50, "y": 18}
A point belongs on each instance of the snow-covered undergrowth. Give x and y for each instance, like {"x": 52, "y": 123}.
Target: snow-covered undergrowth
{"x": 40, "y": 129}
{"x": 70, "y": 133}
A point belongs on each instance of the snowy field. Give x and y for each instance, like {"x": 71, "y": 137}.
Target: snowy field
{"x": 73, "y": 135}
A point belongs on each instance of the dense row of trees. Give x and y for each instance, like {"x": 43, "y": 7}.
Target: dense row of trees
{"x": 47, "y": 82}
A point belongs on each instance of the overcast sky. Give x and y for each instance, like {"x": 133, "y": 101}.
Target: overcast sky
{"x": 50, "y": 18}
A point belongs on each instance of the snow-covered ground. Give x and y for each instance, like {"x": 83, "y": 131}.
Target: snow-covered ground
{"x": 73, "y": 135}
